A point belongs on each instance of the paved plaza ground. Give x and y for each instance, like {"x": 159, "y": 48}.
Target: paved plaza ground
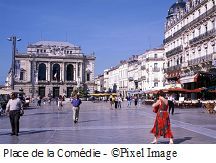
{"x": 98, "y": 124}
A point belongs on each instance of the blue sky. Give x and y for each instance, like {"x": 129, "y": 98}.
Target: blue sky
{"x": 113, "y": 29}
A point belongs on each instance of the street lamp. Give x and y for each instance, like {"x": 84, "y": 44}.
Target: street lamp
{"x": 14, "y": 39}
{"x": 33, "y": 72}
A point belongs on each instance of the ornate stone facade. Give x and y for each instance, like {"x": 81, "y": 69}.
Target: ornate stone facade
{"x": 53, "y": 68}
{"x": 137, "y": 74}
{"x": 189, "y": 42}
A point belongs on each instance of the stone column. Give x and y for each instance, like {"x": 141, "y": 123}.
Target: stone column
{"x": 48, "y": 71}
{"x": 77, "y": 71}
{"x": 36, "y": 76}
{"x": 62, "y": 72}
{"x": 81, "y": 72}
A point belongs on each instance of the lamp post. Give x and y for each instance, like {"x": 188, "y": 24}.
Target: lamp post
{"x": 33, "y": 73}
{"x": 14, "y": 39}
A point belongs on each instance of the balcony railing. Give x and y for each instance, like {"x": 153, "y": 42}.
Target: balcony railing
{"x": 143, "y": 67}
{"x": 173, "y": 68}
{"x": 154, "y": 59}
{"x": 156, "y": 69}
{"x": 130, "y": 79}
{"x": 185, "y": 64}
{"x": 142, "y": 78}
{"x": 174, "y": 51}
{"x": 203, "y": 36}
{"x": 70, "y": 82}
{"x": 57, "y": 82}
{"x": 199, "y": 60}
{"x": 156, "y": 80}
{"x": 43, "y": 82}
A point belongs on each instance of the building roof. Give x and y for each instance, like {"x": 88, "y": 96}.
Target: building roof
{"x": 179, "y": 5}
{"x": 54, "y": 43}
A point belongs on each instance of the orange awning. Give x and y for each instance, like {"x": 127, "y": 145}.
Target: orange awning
{"x": 176, "y": 89}
{"x": 197, "y": 90}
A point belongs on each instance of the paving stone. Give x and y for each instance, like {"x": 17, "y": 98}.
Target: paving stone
{"x": 98, "y": 124}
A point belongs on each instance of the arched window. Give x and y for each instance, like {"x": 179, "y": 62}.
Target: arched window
{"x": 56, "y": 72}
{"x": 70, "y": 73}
{"x": 177, "y": 61}
{"x": 42, "y": 72}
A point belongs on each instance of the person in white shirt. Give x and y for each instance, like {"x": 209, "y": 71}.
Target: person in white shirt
{"x": 119, "y": 101}
{"x": 14, "y": 106}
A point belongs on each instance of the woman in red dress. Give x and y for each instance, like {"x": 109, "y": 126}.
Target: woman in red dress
{"x": 162, "y": 125}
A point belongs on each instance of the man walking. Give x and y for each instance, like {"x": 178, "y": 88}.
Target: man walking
{"x": 128, "y": 100}
{"x": 14, "y": 106}
{"x": 171, "y": 104}
{"x": 76, "y": 107}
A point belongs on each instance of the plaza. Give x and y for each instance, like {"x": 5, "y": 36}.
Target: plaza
{"x": 99, "y": 124}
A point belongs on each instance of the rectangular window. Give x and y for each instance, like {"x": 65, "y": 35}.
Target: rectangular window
{"x": 21, "y": 75}
{"x": 156, "y": 84}
{"x": 88, "y": 77}
{"x": 155, "y": 55}
{"x": 155, "y": 65}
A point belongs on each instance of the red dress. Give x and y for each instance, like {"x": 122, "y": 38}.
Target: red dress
{"x": 162, "y": 125}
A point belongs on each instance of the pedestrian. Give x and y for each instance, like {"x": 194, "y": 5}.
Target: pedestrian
{"x": 49, "y": 100}
{"x": 116, "y": 102}
{"x": 60, "y": 102}
{"x": 111, "y": 99}
{"x": 119, "y": 101}
{"x": 128, "y": 101}
{"x": 139, "y": 102}
{"x": 135, "y": 101}
{"x": 76, "y": 102}
{"x": 39, "y": 101}
{"x": 162, "y": 125}
{"x": 171, "y": 104}
{"x": 14, "y": 107}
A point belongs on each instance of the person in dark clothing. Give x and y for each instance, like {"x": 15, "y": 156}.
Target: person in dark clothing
{"x": 39, "y": 101}
{"x": 116, "y": 102}
{"x": 135, "y": 100}
{"x": 171, "y": 104}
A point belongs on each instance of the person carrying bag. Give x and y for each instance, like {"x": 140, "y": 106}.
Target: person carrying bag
{"x": 15, "y": 109}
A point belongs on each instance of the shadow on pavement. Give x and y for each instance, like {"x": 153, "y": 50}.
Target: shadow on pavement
{"x": 88, "y": 121}
{"x": 181, "y": 140}
{"x": 46, "y": 113}
{"x": 177, "y": 141}
{"x": 25, "y": 132}
{"x": 33, "y": 132}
